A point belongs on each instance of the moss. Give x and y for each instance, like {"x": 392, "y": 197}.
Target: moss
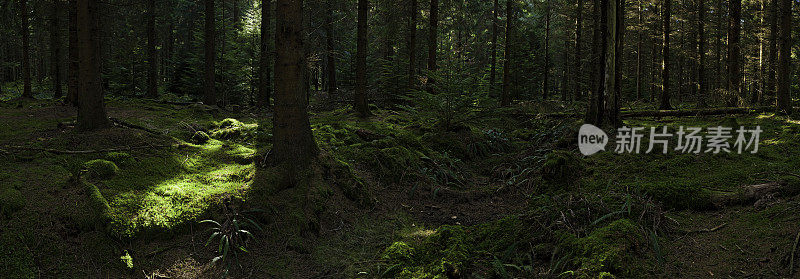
{"x": 232, "y": 129}
{"x": 127, "y": 260}
{"x": 611, "y": 249}
{"x": 398, "y": 252}
{"x": 101, "y": 169}
{"x": 229, "y": 123}
{"x": 199, "y": 137}
{"x": 120, "y": 158}
{"x": 11, "y": 200}
{"x": 562, "y": 167}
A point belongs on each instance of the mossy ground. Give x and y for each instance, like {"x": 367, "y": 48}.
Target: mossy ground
{"x": 390, "y": 197}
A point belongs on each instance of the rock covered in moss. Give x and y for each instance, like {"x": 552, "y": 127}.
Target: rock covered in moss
{"x": 120, "y": 158}
{"x": 200, "y": 137}
{"x": 11, "y": 200}
{"x": 561, "y": 167}
{"x": 610, "y": 250}
{"x": 101, "y": 169}
{"x": 97, "y": 203}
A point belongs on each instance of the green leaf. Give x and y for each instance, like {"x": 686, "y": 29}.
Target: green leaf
{"x": 211, "y": 222}
{"x": 211, "y": 238}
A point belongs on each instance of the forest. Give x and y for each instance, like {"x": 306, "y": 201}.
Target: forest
{"x": 399, "y": 139}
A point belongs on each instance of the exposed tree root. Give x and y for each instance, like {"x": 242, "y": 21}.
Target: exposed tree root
{"x": 122, "y": 123}
{"x": 750, "y": 194}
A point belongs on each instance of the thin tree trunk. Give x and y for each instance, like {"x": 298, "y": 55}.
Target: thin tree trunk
{"x": 565, "y": 77}
{"x": 613, "y": 59}
{"x": 55, "y": 49}
{"x": 546, "y": 86}
{"x": 758, "y": 94}
{"x": 681, "y": 63}
{"x": 718, "y": 73}
{"x": 26, "y": 49}
{"x": 264, "y": 84}
{"x": 72, "y": 69}
{"x": 665, "y": 59}
{"x": 412, "y": 43}
{"x": 639, "y": 54}
{"x": 293, "y": 141}
{"x": 91, "y": 108}
{"x": 433, "y": 33}
{"x": 330, "y": 76}
{"x": 505, "y": 95}
{"x": 784, "y": 100}
{"x": 360, "y": 99}
{"x": 152, "y": 70}
{"x": 734, "y": 60}
{"x": 578, "y": 54}
{"x": 772, "y": 59}
{"x": 209, "y": 95}
{"x": 493, "y": 70}
{"x": 701, "y": 55}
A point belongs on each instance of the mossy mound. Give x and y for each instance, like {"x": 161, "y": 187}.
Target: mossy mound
{"x": 232, "y": 129}
{"x": 101, "y": 169}
{"x": 562, "y": 167}
{"x": 121, "y": 159}
{"x": 97, "y": 203}
{"x": 610, "y": 250}
{"x": 199, "y": 137}
{"x": 11, "y": 200}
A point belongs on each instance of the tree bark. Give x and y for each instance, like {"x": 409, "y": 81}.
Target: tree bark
{"x": 152, "y": 70}
{"x": 546, "y": 85}
{"x": 433, "y": 33}
{"x": 718, "y": 73}
{"x": 784, "y": 100}
{"x": 55, "y": 49}
{"x": 701, "y": 54}
{"x": 91, "y": 108}
{"x": 412, "y": 43}
{"x": 360, "y": 98}
{"x": 209, "y": 95}
{"x": 26, "y": 49}
{"x": 665, "y": 59}
{"x": 772, "y": 59}
{"x": 293, "y": 141}
{"x": 505, "y": 95}
{"x": 578, "y": 54}
{"x": 264, "y": 84}
{"x": 734, "y": 60}
{"x": 493, "y": 70}
{"x": 72, "y": 68}
{"x": 330, "y": 75}
{"x": 615, "y": 26}
{"x": 639, "y": 54}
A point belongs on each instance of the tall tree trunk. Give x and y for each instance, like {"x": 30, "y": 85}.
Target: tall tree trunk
{"x": 701, "y": 54}
{"x": 734, "y": 52}
{"x": 718, "y": 73}
{"x": 784, "y": 100}
{"x": 433, "y": 33}
{"x": 91, "y": 107}
{"x": 209, "y": 92}
{"x": 595, "y": 60}
{"x": 55, "y": 49}
{"x": 412, "y": 43}
{"x": 330, "y": 75}
{"x": 758, "y": 94}
{"x": 152, "y": 70}
{"x": 565, "y": 89}
{"x": 26, "y": 49}
{"x": 665, "y": 59}
{"x": 264, "y": 84}
{"x": 495, "y": 24}
{"x": 578, "y": 46}
{"x": 612, "y": 110}
{"x": 293, "y": 141}
{"x": 639, "y": 54}
{"x": 505, "y": 95}
{"x": 772, "y": 59}
{"x": 360, "y": 99}
{"x": 72, "y": 69}
{"x": 546, "y": 86}
{"x": 681, "y": 63}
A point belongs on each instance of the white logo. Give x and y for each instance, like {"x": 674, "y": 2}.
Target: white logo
{"x": 591, "y": 139}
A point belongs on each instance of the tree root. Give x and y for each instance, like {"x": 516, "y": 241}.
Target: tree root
{"x": 61, "y": 152}
{"x": 750, "y": 194}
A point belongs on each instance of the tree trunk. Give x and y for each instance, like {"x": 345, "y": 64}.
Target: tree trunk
{"x": 505, "y": 95}
{"x": 91, "y": 108}
{"x": 26, "y": 49}
{"x": 55, "y": 49}
{"x": 72, "y": 69}
{"x": 613, "y": 59}
{"x": 330, "y": 75}
{"x": 152, "y": 70}
{"x": 784, "y": 100}
{"x": 209, "y": 95}
{"x": 433, "y": 33}
{"x": 718, "y": 73}
{"x": 639, "y": 54}
{"x": 665, "y": 59}
{"x": 595, "y": 60}
{"x": 772, "y": 59}
{"x": 493, "y": 67}
{"x": 546, "y": 86}
{"x": 701, "y": 54}
{"x": 293, "y": 141}
{"x": 360, "y": 99}
{"x": 412, "y": 43}
{"x": 734, "y": 60}
{"x": 578, "y": 54}
{"x": 264, "y": 84}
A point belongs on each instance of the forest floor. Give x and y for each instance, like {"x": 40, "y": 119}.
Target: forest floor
{"x": 502, "y": 197}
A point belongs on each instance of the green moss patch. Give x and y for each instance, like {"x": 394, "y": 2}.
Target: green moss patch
{"x": 11, "y": 200}
{"x": 101, "y": 169}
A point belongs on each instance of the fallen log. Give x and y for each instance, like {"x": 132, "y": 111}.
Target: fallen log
{"x": 62, "y": 152}
{"x": 751, "y": 194}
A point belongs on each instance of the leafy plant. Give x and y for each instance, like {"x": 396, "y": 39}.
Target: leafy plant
{"x": 232, "y": 235}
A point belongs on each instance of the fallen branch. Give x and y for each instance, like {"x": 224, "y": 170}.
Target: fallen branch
{"x": 61, "y": 152}
{"x": 134, "y": 126}
{"x": 708, "y": 230}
